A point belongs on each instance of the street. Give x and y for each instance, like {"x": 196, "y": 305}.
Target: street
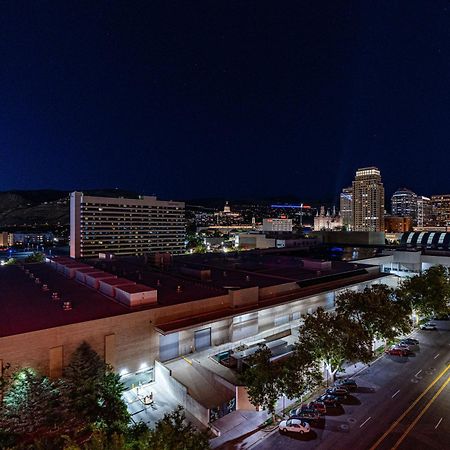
{"x": 401, "y": 402}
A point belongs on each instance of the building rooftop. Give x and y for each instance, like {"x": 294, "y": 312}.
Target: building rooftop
{"x": 25, "y": 306}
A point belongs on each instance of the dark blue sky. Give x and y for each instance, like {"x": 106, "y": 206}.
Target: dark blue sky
{"x": 224, "y": 98}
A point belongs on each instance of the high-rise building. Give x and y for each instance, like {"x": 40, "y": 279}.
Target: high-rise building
{"x": 125, "y": 226}
{"x": 368, "y": 200}
{"x": 346, "y": 206}
{"x": 404, "y": 204}
{"x": 441, "y": 209}
{"x": 424, "y": 211}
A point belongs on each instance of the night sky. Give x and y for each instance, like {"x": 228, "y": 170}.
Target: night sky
{"x": 227, "y": 98}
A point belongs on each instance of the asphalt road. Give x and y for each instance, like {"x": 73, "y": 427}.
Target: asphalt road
{"x": 401, "y": 402}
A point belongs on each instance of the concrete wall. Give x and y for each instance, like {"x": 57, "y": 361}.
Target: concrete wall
{"x": 179, "y": 393}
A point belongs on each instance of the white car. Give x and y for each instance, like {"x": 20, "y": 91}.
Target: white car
{"x": 294, "y": 425}
{"x": 428, "y": 326}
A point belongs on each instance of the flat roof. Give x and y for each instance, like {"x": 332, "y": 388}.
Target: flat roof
{"x": 135, "y": 288}
{"x": 25, "y": 307}
{"x": 100, "y": 275}
{"x": 117, "y": 281}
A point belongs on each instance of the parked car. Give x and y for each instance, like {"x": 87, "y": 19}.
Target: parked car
{"x": 330, "y": 401}
{"x": 410, "y": 341}
{"x": 295, "y": 425}
{"x": 406, "y": 350}
{"x": 402, "y": 345}
{"x": 428, "y": 326}
{"x": 396, "y": 351}
{"x": 347, "y": 383}
{"x": 340, "y": 392}
{"x": 305, "y": 413}
{"x": 441, "y": 317}
{"x": 319, "y": 406}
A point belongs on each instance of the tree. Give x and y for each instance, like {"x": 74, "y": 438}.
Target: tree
{"x": 262, "y": 379}
{"x": 95, "y": 391}
{"x": 32, "y": 403}
{"x": 429, "y": 292}
{"x": 173, "y": 432}
{"x": 300, "y": 372}
{"x": 334, "y": 339}
{"x": 377, "y": 310}
{"x": 82, "y": 378}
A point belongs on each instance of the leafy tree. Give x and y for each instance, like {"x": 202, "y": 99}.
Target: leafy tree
{"x": 113, "y": 410}
{"x": 334, "y": 339}
{"x": 172, "y": 432}
{"x": 262, "y": 379}
{"x": 377, "y": 310}
{"x": 36, "y": 257}
{"x": 429, "y": 292}
{"x": 300, "y": 372}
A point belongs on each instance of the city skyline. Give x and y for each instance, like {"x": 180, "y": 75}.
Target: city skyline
{"x": 208, "y": 102}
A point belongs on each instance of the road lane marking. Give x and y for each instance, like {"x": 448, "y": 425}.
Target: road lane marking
{"x": 440, "y": 420}
{"x": 436, "y": 356}
{"x": 392, "y": 427}
{"x": 414, "y": 423}
{"x": 395, "y": 393}
{"x": 365, "y": 422}
{"x": 418, "y": 372}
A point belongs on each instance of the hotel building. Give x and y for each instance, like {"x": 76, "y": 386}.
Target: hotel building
{"x": 125, "y": 226}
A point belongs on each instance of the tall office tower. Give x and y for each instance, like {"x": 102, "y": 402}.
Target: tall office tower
{"x": 368, "y": 200}
{"x": 346, "y": 206}
{"x": 125, "y": 226}
{"x": 424, "y": 211}
{"x": 404, "y": 204}
{"x": 441, "y": 209}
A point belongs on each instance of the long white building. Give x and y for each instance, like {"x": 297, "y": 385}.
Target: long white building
{"x": 125, "y": 226}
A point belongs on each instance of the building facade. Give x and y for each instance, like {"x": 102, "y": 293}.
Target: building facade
{"x": 125, "y": 226}
{"x": 404, "y": 204}
{"x": 424, "y": 211}
{"x": 346, "y": 207}
{"x": 277, "y": 225}
{"x": 441, "y": 210}
{"x": 368, "y": 200}
{"x": 327, "y": 220}
{"x": 396, "y": 224}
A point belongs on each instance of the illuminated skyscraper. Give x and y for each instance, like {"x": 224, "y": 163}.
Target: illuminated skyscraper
{"x": 346, "y": 207}
{"x": 368, "y": 200}
{"x": 404, "y": 204}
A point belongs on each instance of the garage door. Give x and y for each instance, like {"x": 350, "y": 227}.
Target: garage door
{"x": 169, "y": 347}
{"x": 202, "y": 339}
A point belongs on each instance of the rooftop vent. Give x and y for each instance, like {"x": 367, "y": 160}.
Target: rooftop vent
{"x": 67, "y": 306}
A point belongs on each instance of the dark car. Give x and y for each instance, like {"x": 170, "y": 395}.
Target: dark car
{"x": 441, "y": 317}
{"x": 347, "y": 383}
{"x": 330, "y": 401}
{"x": 339, "y": 392}
{"x": 410, "y": 341}
{"x": 305, "y": 412}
